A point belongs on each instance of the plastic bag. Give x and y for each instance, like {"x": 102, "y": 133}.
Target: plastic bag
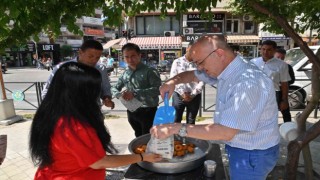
{"x": 164, "y": 115}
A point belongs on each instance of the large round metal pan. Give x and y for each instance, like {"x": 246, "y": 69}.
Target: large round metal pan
{"x": 177, "y": 164}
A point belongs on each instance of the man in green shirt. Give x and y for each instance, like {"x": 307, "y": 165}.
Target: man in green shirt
{"x": 141, "y": 82}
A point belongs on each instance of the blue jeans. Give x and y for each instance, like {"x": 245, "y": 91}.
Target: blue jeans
{"x": 251, "y": 164}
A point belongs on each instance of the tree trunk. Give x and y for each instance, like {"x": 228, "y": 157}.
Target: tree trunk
{"x": 294, "y": 147}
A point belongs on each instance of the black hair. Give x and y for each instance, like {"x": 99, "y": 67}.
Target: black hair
{"x": 91, "y": 44}
{"x": 73, "y": 94}
{"x": 281, "y": 51}
{"x": 131, "y": 46}
{"x": 269, "y": 43}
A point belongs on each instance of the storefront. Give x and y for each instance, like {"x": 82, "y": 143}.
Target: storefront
{"x": 50, "y": 50}
{"x": 19, "y": 56}
{"x": 155, "y": 49}
{"x": 244, "y": 45}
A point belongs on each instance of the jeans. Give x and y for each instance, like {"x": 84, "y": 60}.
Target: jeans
{"x": 251, "y": 164}
{"x": 141, "y": 120}
{"x": 192, "y": 108}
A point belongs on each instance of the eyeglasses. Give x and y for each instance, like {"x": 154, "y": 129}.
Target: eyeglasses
{"x": 200, "y": 62}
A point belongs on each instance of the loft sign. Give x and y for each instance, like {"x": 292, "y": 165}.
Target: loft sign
{"x": 47, "y": 47}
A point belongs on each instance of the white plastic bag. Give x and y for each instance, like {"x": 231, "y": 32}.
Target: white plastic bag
{"x": 163, "y": 147}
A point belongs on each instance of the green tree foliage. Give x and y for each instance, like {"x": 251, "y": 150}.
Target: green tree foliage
{"x": 21, "y": 20}
{"x": 301, "y": 15}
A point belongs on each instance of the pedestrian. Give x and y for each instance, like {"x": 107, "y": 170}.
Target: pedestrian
{"x": 278, "y": 71}
{"x": 141, "y": 82}
{"x": 103, "y": 59}
{"x": 68, "y": 138}
{"x": 49, "y": 63}
{"x": 89, "y": 54}
{"x": 110, "y": 61}
{"x": 186, "y": 96}
{"x": 246, "y": 116}
{"x": 281, "y": 54}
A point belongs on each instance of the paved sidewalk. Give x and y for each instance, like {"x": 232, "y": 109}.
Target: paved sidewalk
{"x": 18, "y": 166}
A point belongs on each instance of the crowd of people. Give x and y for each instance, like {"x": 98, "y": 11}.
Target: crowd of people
{"x": 71, "y": 140}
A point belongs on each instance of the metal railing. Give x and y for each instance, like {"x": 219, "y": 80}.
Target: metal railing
{"x": 29, "y": 93}
{"x": 34, "y": 89}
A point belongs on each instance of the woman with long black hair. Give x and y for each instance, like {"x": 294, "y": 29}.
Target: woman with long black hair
{"x": 68, "y": 138}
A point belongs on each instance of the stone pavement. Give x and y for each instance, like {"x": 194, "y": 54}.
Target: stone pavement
{"x": 18, "y": 166}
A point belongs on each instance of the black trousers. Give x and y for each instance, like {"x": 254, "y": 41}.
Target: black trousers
{"x": 141, "y": 120}
{"x": 192, "y": 108}
{"x": 285, "y": 113}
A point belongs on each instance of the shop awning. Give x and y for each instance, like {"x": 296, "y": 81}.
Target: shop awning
{"x": 111, "y": 43}
{"x": 155, "y": 42}
{"x": 243, "y": 39}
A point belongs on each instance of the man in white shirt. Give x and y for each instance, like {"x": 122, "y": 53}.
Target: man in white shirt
{"x": 188, "y": 95}
{"x": 277, "y": 70}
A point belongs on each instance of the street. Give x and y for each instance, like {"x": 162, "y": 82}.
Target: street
{"x": 23, "y": 79}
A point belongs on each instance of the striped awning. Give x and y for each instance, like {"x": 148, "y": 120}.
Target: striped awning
{"x": 243, "y": 39}
{"x": 111, "y": 43}
{"x": 155, "y": 42}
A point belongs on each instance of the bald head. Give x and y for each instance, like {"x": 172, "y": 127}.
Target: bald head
{"x": 212, "y": 54}
{"x": 215, "y": 41}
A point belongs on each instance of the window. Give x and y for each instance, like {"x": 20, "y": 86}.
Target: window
{"x": 154, "y": 25}
{"x": 232, "y": 26}
{"x": 140, "y": 25}
{"x": 248, "y": 27}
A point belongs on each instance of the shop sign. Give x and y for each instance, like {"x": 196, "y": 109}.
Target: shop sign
{"x": 48, "y": 47}
{"x": 276, "y": 38}
{"x": 22, "y": 48}
{"x": 90, "y": 31}
{"x": 155, "y": 46}
{"x": 192, "y": 38}
{"x": 209, "y": 27}
{"x": 197, "y": 17}
{"x": 75, "y": 48}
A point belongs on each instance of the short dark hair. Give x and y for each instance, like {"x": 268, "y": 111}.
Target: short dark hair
{"x": 91, "y": 44}
{"x": 73, "y": 94}
{"x": 281, "y": 51}
{"x": 131, "y": 46}
{"x": 269, "y": 43}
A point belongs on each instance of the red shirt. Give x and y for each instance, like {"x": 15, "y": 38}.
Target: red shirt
{"x": 73, "y": 148}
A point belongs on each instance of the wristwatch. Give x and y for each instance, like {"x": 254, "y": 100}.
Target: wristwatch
{"x": 183, "y": 130}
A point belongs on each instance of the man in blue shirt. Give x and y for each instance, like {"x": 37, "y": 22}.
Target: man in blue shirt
{"x": 110, "y": 61}
{"x": 89, "y": 54}
{"x": 246, "y": 115}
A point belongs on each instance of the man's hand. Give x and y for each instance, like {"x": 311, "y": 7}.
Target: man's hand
{"x": 187, "y": 97}
{"x": 127, "y": 95}
{"x": 284, "y": 105}
{"x": 167, "y": 87}
{"x": 108, "y": 102}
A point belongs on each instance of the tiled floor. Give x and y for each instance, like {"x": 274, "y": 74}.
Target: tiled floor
{"x": 18, "y": 166}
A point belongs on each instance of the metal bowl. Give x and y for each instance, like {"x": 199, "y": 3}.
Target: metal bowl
{"x": 177, "y": 164}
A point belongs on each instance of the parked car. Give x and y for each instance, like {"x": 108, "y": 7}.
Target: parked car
{"x": 300, "y": 91}
{"x": 164, "y": 66}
